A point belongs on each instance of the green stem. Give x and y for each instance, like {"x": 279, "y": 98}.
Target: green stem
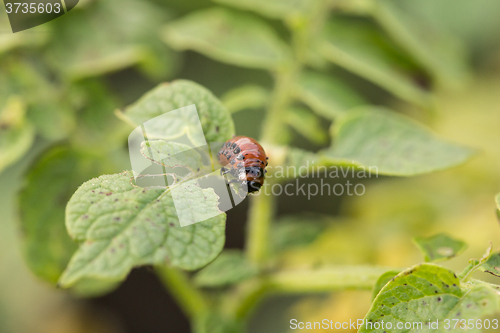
{"x": 469, "y": 270}
{"x": 260, "y": 216}
{"x": 190, "y": 299}
{"x": 275, "y": 131}
{"x": 303, "y": 281}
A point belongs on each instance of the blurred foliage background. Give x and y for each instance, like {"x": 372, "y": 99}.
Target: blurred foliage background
{"x": 61, "y": 82}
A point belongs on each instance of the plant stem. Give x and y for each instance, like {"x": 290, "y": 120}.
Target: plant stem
{"x": 304, "y": 281}
{"x": 190, "y": 299}
{"x": 260, "y": 216}
{"x": 275, "y": 132}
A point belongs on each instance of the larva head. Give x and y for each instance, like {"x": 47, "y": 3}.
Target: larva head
{"x": 254, "y": 186}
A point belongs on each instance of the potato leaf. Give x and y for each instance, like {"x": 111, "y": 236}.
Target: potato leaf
{"x": 279, "y": 9}
{"x": 364, "y": 51}
{"x": 245, "y": 97}
{"x": 439, "y": 247}
{"x": 230, "y": 37}
{"x": 215, "y": 119}
{"x": 428, "y": 293}
{"x": 120, "y": 226}
{"x": 307, "y": 124}
{"x": 440, "y": 54}
{"x": 229, "y": 268}
{"x": 391, "y": 143}
{"x": 98, "y": 39}
{"x": 491, "y": 264}
{"x": 327, "y": 96}
{"x": 47, "y": 248}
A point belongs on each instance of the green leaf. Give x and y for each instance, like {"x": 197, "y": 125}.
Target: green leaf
{"x": 245, "y": 97}
{"x": 326, "y": 95}
{"x": 166, "y": 153}
{"x": 47, "y": 248}
{"x": 439, "y": 247}
{"x": 426, "y": 293}
{"x": 215, "y": 119}
{"x": 16, "y": 134}
{"x": 492, "y": 264}
{"x": 279, "y": 9}
{"x": 383, "y": 280}
{"x": 229, "y": 268}
{"x": 295, "y": 231}
{"x": 289, "y": 163}
{"x": 98, "y": 39}
{"x": 120, "y": 226}
{"x": 47, "y": 108}
{"x": 440, "y": 54}
{"x": 230, "y": 37}
{"x": 392, "y": 144}
{"x": 363, "y": 50}
{"x": 96, "y": 118}
{"x": 307, "y": 124}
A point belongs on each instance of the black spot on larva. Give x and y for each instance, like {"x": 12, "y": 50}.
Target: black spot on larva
{"x": 112, "y": 250}
{"x": 217, "y": 129}
{"x": 91, "y": 202}
{"x": 406, "y": 284}
{"x": 109, "y": 193}
{"x": 455, "y": 275}
{"x": 431, "y": 284}
{"x": 439, "y": 299}
{"x": 484, "y": 303}
{"x": 84, "y": 217}
{"x": 117, "y": 219}
{"x": 424, "y": 303}
{"x": 454, "y": 285}
{"x": 143, "y": 191}
{"x": 116, "y": 200}
{"x": 436, "y": 291}
{"x": 172, "y": 225}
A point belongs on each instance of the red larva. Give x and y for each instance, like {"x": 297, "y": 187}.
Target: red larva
{"x": 246, "y": 159}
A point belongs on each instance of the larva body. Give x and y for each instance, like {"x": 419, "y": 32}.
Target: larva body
{"x": 244, "y": 158}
